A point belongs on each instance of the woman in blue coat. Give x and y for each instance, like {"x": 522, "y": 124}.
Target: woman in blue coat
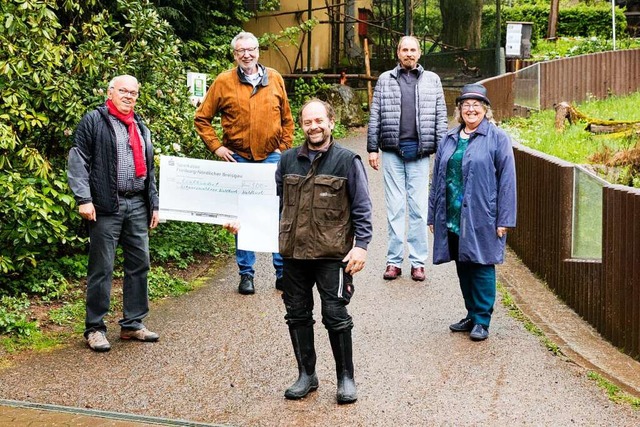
{"x": 472, "y": 203}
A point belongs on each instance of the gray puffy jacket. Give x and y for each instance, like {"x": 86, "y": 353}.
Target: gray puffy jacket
{"x": 384, "y": 119}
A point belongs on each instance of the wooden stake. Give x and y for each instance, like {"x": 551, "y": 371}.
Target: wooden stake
{"x": 367, "y": 70}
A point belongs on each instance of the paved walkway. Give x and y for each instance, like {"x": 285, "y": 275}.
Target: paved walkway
{"x": 226, "y": 359}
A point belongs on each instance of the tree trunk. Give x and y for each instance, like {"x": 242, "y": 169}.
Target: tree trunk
{"x": 553, "y": 19}
{"x": 461, "y": 22}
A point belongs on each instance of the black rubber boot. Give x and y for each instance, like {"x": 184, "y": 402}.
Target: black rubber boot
{"x": 342, "y": 353}
{"x": 303, "y": 347}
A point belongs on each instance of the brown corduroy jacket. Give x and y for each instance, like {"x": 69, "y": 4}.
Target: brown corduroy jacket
{"x": 255, "y": 121}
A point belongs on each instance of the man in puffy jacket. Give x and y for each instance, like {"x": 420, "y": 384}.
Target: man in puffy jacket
{"x": 408, "y": 117}
{"x": 111, "y": 174}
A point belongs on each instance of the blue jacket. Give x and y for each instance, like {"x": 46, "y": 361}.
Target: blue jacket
{"x": 489, "y": 177}
{"x": 384, "y": 115}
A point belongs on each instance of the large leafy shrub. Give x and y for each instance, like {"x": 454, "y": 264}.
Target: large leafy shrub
{"x": 55, "y": 63}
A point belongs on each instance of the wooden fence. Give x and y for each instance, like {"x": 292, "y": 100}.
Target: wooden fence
{"x": 606, "y": 291}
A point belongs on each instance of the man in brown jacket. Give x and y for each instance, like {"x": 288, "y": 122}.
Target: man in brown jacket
{"x": 256, "y": 122}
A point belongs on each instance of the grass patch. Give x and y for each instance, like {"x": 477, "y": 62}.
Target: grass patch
{"x": 516, "y": 313}
{"x": 70, "y": 315}
{"x": 162, "y": 284}
{"x": 613, "y": 391}
{"x": 37, "y": 341}
{"x": 575, "y": 144}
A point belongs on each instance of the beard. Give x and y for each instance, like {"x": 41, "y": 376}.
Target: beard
{"x": 317, "y": 142}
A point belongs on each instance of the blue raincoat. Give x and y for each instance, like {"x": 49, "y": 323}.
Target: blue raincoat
{"x": 489, "y": 202}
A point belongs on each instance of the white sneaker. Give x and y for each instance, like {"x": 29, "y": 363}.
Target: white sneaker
{"x": 98, "y": 342}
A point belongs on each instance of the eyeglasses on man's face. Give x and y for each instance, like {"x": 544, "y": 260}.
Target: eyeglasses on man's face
{"x": 246, "y": 50}
{"x": 469, "y": 106}
{"x": 131, "y": 93}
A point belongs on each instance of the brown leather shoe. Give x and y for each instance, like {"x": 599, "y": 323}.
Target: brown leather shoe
{"x": 392, "y": 272}
{"x": 417, "y": 274}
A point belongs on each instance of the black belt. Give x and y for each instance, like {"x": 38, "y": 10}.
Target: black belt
{"x": 129, "y": 194}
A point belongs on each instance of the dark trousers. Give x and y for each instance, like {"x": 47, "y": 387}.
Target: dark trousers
{"x": 129, "y": 227}
{"x": 334, "y": 286}
{"x": 478, "y": 285}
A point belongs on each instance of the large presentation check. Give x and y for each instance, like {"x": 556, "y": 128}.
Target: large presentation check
{"x": 218, "y": 192}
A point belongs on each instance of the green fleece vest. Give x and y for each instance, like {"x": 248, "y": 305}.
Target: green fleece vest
{"x": 316, "y": 212}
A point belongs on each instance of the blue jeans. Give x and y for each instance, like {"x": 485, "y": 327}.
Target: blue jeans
{"x": 129, "y": 227}
{"x": 406, "y": 185}
{"x": 246, "y": 259}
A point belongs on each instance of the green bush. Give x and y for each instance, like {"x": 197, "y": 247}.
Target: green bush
{"x": 579, "y": 20}
{"x": 572, "y": 46}
{"x": 177, "y": 242}
{"x": 162, "y": 284}
{"x": 55, "y": 63}
{"x": 14, "y": 316}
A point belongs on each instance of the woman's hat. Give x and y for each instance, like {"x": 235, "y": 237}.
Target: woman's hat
{"x": 473, "y": 91}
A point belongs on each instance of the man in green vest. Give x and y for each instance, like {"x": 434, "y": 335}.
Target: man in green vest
{"x": 325, "y": 228}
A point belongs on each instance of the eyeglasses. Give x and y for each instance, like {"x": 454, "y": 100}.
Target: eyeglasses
{"x": 475, "y": 106}
{"x": 132, "y": 93}
{"x": 246, "y": 50}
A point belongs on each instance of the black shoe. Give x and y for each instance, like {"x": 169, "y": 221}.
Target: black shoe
{"x": 246, "y": 285}
{"x": 479, "y": 333}
{"x": 465, "y": 325}
{"x": 279, "y": 285}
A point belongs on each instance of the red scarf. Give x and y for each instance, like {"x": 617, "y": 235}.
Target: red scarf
{"x": 134, "y": 137}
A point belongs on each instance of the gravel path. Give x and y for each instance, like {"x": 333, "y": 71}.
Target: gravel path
{"x": 225, "y": 358}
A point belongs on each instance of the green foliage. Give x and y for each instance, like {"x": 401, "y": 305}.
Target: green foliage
{"x": 162, "y": 284}
{"x": 427, "y": 19}
{"x": 572, "y": 46}
{"x": 576, "y": 144}
{"x": 39, "y": 104}
{"x": 578, "y": 20}
{"x": 613, "y": 391}
{"x": 69, "y": 313}
{"x": 14, "y": 316}
{"x": 177, "y": 242}
{"x": 303, "y": 90}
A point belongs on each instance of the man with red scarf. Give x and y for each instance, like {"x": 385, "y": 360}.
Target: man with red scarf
{"x": 111, "y": 173}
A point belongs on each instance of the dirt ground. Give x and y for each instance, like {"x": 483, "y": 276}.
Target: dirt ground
{"x": 225, "y": 358}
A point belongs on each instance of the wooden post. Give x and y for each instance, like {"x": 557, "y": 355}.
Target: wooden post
{"x": 367, "y": 70}
{"x": 553, "y": 20}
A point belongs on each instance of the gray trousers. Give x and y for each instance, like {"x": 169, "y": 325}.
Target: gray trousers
{"x": 128, "y": 227}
